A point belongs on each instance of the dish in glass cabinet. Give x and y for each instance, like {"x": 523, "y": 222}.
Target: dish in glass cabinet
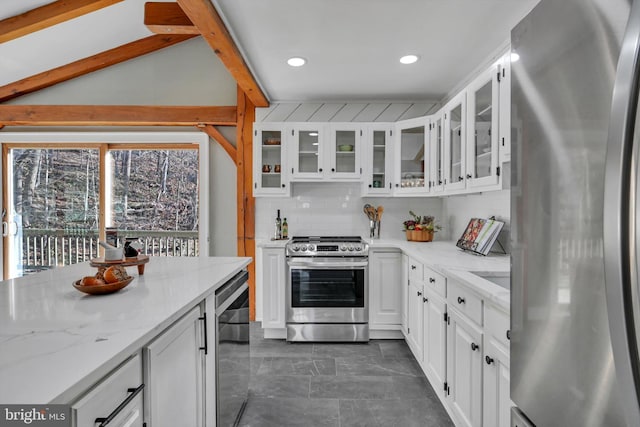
{"x": 272, "y": 141}
{"x": 345, "y": 147}
{"x": 107, "y": 288}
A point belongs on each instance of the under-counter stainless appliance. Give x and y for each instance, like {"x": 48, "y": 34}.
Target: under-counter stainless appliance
{"x": 327, "y": 289}
{"x": 232, "y": 349}
{"x": 574, "y": 170}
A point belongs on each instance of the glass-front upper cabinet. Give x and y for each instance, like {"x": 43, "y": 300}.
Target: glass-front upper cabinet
{"x": 270, "y": 160}
{"x": 413, "y": 158}
{"x": 378, "y": 166}
{"x": 482, "y": 135}
{"x": 344, "y": 147}
{"x": 307, "y": 151}
{"x": 436, "y": 130}
{"x": 454, "y": 143}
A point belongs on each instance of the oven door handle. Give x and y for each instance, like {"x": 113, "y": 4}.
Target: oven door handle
{"x": 323, "y": 264}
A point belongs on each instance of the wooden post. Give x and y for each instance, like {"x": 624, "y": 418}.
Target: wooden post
{"x": 246, "y": 204}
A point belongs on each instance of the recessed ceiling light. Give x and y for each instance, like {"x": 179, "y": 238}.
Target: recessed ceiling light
{"x": 296, "y": 61}
{"x": 408, "y": 59}
{"x": 514, "y": 57}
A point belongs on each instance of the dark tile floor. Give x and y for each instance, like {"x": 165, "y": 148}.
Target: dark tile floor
{"x": 378, "y": 384}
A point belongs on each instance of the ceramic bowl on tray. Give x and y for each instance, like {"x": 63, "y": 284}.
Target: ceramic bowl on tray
{"x": 107, "y": 288}
{"x": 345, "y": 147}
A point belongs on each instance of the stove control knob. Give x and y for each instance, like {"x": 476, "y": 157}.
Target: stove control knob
{"x": 358, "y": 248}
{"x": 350, "y": 248}
{"x": 343, "y": 247}
{"x": 311, "y": 248}
{"x": 295, "y": 248}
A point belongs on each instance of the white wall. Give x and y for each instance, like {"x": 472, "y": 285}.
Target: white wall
{"x": 336, "y": 209}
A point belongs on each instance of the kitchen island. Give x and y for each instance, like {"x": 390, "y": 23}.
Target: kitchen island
{"x": 56, "y": 342}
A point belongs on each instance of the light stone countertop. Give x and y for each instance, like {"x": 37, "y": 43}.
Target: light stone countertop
{"x": 55, "y": 341}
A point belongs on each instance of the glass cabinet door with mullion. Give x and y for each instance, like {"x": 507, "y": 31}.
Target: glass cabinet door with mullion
{"x": 454, "y": 133}
{"x": 270, "y": 170}
{"x": 345, "y": 151}
{"x": 412, "y": 156}
{"x": 378, "y": 168}
{"x": 482, "y": 137}
{"x": 307, "y": 151}
{"x": 436, "y": 130}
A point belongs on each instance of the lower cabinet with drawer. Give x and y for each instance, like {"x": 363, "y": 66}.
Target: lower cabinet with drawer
{"x": 116, "y": 401}
{"x": 496, "y": 403}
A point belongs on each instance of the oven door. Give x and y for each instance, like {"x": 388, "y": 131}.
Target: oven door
{"x": 327, "y": 290}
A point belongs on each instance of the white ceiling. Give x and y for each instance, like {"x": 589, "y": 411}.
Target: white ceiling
{"x": 352, "y": 46}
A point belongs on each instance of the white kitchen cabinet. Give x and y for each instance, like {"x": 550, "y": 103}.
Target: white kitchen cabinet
{"x": 405, "y": 292}
{"x": 415, "y": 320}
{"x": 482, "y": 130}
{"x": 378, "y": 160}
{"x": 344, "y": 151}
{"x": 464, "y": 370}
{"x": 174, "y": 374}
{"x": 435, "y": 340}
{"x": 455, "y": 143}
{"x": 123, "y": 387}
{"x": 412, "y": 157}
{"x": 273, "y": 288}
{"x": 210, "y": 389}
{"x": 385, "y": 289}
{"x": 270, "y": 171}
{"x": 496, "y": 397}
{"x": 306, "y": 151}
{"x": 506, "y": 127}
{"x": 436, "y": 138}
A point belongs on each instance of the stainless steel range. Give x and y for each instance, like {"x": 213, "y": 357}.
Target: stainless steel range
{"x": 327, "y": 289}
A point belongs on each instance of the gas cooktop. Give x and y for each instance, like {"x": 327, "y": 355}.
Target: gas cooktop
{"x": 327, "y": 246}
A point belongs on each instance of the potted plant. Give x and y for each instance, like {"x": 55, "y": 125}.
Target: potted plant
{"x": 420, "y": 228}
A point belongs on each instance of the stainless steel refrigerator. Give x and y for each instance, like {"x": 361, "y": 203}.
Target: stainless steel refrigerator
{"x": 575, "y": 316}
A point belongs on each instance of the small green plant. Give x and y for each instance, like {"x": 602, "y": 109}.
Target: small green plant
{"x": 426, "y": 222}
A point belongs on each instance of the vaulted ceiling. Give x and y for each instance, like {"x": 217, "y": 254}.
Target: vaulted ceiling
{"x": 352, "y": 47}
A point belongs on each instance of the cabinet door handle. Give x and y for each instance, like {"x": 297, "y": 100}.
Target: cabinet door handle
{"x": 413, "y": 267}
{"x": 332, "y": 169}
{"x": 509, "y": 334}
{"x": 425, "y": 299}
{"x": 460, "y": 178}
{"x": 370, "y": 185}
{"x": 283, "y": 185}
{"x": 134, "y": 392}
{"x": 469, "y": 176}
{"x": 474, "y": 346}
{"x": 460, "y": 300}
{"x": 320, "y": 170}
{"x": 488, "y": 359}
{"x": 432, "y": 280}
{"x": 419, "y": 293}
{"x": 206, "y": 344}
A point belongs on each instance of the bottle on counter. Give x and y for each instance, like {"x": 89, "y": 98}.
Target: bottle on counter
{"x": 285, "y": 229}
{"x": 278, "y": 230}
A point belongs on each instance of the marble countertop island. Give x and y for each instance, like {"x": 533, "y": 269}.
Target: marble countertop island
{"x": 56, "y": 341}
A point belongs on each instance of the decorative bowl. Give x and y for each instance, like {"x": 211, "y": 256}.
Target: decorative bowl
{"x": 345, "y": 147}
{"x": 107, "y": 288}
{"x": 272, "y": 141}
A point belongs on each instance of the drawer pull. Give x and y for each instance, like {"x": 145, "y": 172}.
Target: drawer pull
{"x": 134, "y": 392}
{"x": 413, "y": 267}
{"x": 488, "y": 359}
{"x": 419, "y": 293}
{"x": 474, "y": 346}
{"x": 432, "y": 280}
{"x": 460, "y": 300}
{"x": 425, "y": 299}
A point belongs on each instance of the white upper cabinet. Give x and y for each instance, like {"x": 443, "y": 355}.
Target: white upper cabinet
{"x": 482, "y": 129}
{"x": 378, "y": 160}
{"x": 307, "y": 150}
{"x": 412, "y": 157}
{"x": 270, "y": 160}
{"x": 436, "y": 132}
{"x": 344, "y": 151}
{"x": 454, "y": 143}
{"x": 504, "y": 68}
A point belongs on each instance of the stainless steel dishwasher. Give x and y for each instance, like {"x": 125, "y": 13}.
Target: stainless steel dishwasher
{"x": 232, "y": 349}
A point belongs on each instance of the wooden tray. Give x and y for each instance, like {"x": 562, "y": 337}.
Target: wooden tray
{"x": 140, "y": 261}
{"x": 107, "y": 288}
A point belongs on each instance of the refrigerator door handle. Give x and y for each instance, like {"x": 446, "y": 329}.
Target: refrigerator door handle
{"x": 620, "y": 197}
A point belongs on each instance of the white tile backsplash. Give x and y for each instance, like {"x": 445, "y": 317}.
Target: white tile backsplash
{"x": 336, "y": 209}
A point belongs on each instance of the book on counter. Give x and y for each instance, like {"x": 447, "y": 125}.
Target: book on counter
{"x": 480, "y": 235}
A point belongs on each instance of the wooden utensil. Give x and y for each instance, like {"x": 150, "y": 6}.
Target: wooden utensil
{"x": 379, "y": 212}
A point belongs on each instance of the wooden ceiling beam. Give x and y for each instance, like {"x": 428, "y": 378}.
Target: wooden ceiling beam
{"x": 48, "y": 15}
{"x": 215, "y": 134}
{"x": 205, "y": 17}
{"x": 167, "y": 18}
{"x": 88, "y": 65}
{"x": 115, "y": 115}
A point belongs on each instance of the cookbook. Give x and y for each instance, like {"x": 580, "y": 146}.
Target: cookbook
{"x": 480, "y": 235}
